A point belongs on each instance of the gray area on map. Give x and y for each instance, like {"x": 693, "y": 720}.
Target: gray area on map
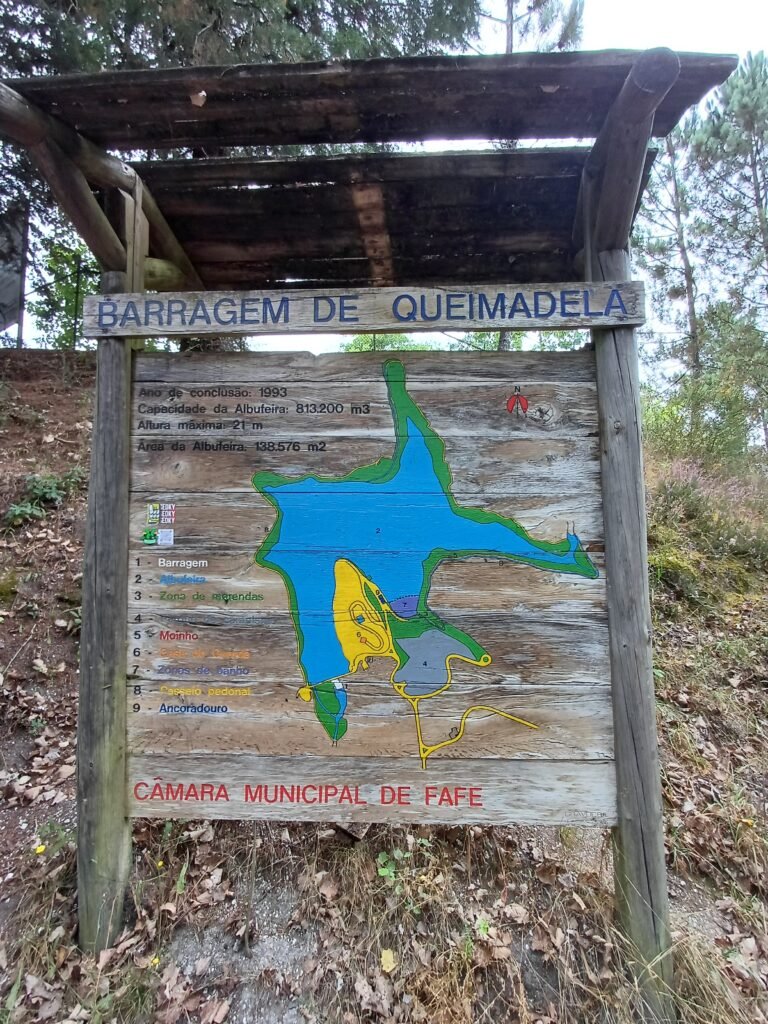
{"x": 426, "y": 671}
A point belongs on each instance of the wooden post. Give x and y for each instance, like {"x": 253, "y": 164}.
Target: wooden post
{"x": 614, "y": 169}
{"x": 104, "y": 837}
{"x": 639, "y": 866}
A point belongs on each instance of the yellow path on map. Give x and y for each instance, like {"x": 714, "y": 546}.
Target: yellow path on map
{"x": 364, "y": 633}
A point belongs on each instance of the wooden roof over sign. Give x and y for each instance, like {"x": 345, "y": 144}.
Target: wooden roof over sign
{"x": 517, "y": 96}
{"x": 510, "y": 215}
{"x": 494, "y": 216}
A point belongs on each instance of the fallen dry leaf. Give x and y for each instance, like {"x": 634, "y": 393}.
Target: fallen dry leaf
{"x": 388, "y": 961}
{"x": 215, "y": 1012}
{"x": 517, "y": 912}
{"x": 329, "y": 888}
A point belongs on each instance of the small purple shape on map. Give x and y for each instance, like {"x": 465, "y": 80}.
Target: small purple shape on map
{"x": 405, "y": 607}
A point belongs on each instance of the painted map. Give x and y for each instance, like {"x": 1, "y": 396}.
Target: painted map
{"x": 357, "y": 555}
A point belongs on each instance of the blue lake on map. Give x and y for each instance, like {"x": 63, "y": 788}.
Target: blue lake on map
{"x": 388, "y": 530}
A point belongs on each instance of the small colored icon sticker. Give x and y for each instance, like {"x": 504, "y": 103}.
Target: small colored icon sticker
{"x": 161, "y": 513}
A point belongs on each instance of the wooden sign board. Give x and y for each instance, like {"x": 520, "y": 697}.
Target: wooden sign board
{"x": 468, "y": 308}
{"x": 368, "y": 588}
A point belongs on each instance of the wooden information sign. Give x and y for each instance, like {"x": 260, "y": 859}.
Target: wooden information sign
{"x": 368, "y": 587}
{"x": 471, "y": 307}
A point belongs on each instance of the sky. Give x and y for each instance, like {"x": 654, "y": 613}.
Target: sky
{"x": 708, "y": 26}
{"x": 687, "y": 25}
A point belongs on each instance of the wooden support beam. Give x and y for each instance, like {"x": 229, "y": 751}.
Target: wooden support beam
{"x": 103, "y": 834}
{"x": 164, "y": 243}
{"x": 24, "y": 123}
{"x": 136, "y": 238}
{"x": 74, "y": 196}
{"x": 368, "y": 200}
{"x": 614, "y": 168}
{"x": 639, "y": 866}
{"x": 163, "y": 276}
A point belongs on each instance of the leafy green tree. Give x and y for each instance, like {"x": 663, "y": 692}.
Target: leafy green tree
{"x": 61, "y": 280}
{"x": 721, "y": 413}
{"x": 703, "y": 238}
{"x": 668, "y": 241}
{"x": 486, "y": 341}
{"x": 735, "y": 356}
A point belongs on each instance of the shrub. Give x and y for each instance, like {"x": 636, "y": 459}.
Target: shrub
{"x": 40, "y": 491}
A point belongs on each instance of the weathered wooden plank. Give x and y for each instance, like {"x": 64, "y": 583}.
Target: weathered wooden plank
{"x": 32, "y": 127}
{"x": 414, "y": 198}
{"x": 509, "y": 466}
{"x": 474, "y": 307}
{"x": 165, "y": 243}
{"x": 137, "y": 236}
{"x": 640, "y": 871}
{"x": 312, "y": 78}
{"x": 206, "y": 623}
{"x": 370, "y": 204}
{"x": 223, "y": 522}
{"x": 573, "y": 722}
{"x": 616, "y": 165}
{"x": 163, "y": 276}
{"x": 552, "y": 163}
{"x": 262, "y": 647}
{"x": 532, "y": 792}
{"x": 456, "y": 586}
{"x": 303, "y": 249}
{"x": 25, "y": 123}
{"x": 515, "y": 96}
{"x": 428, "y": 270}
{"x": 555, "y": 410}
{"x": 492, "y": 219}
{"x": 212, "y": 371}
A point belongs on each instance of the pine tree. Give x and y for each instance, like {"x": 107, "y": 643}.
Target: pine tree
{"x": 731, "y": 146}
{"x": 54, "y": 36}
{"x": 543, "y": 24}
{"x": 668, "y": 245}
{"x": 63, "y": 36}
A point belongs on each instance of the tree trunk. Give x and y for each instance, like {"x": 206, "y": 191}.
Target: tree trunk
{"x": 510, "y": 45}
{"x": 760, "y": 200}
{"x": 693, "y": 355}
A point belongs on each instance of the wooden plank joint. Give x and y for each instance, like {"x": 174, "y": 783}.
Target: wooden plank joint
{"x": 368, "y": 200}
